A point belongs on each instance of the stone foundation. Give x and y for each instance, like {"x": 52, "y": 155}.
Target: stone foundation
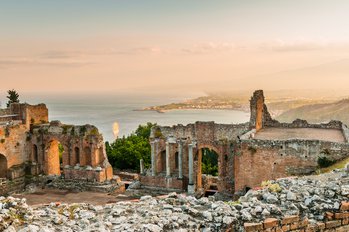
{"x": 88, "y": 173}
{"x": 163, "y": 182}
{"x": 335, "y": 221}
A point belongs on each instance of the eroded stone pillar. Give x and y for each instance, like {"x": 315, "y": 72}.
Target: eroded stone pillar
{"x": 141, "y": 166}
{"x": 153, "y": 166}
{"x": 168, "y": 167}
{"x": 191, "y": 188}
{"x": 180, "y": 156}
{"x": 191, "y": 163}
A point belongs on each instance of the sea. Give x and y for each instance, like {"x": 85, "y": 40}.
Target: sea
{"x": 106, "y": 111}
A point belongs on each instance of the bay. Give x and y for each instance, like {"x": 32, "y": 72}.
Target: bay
{"x": 104, "y": 110}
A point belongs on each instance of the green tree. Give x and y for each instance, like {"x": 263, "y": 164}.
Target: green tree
{"x": 125, "y": 152}
{"x": 209, "y": 163}
{"x": 13, "y": 97}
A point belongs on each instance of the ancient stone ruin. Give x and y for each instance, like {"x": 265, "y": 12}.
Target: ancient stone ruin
{"x": 247, "y": 154}
{"x": 31, "y": 145}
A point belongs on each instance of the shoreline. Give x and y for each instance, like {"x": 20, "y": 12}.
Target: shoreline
{"x": 168, "y": 110}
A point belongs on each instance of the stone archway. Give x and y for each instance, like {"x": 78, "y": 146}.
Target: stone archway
{"x": 87, "y": 156}
{"x": 176, "y": 160}
{"x": 3, "y": 166}
{"x": 76, "y": 158}
{"x": 35, "y": 155}
{"x": 200, "y": 153}
{"x": 52, "y": 158}
{"x": 163, "y": 161}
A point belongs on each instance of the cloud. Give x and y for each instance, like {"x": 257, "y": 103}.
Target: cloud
{"x": 277, "y": 45}
{"x": 74, "y": 58}
{"x": 62, "y": 54}
{"x": 209, "y": 47}
{"x": 294, "y": 46}
{"x": 6, "y": 62}
{"x": 134, "y": 51}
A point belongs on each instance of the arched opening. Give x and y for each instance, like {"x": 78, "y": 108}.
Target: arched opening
{"x": 87, "y": 156}
{"x": 207, "y": 169}
{"x": 163, "y": 161}
{"x": 209, "y": 164}
{"x": 176, "y": 160}
{"x": 35, "y": 157}
{"x": 76, "y": 159}
{"x": 53, "y": 158}
{"x": 3, "y": 166}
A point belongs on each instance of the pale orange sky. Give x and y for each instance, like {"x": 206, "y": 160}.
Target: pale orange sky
{"x": 164, "y": 46}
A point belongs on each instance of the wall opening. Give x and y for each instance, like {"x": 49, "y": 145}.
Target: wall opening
{"x": 163, "y": 161}
{"x": 209, "y": 163}
{"x": 176, "y": 160}
{"x": 35, "y": 157}
{"x": 87, "y": 156}
{"x": 53, "y": 158}
{"x": 76, "y": 156}
{"x": 3, "y": 166}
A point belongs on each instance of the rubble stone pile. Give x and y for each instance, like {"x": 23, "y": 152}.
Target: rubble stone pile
{"x": 315, "y": 203}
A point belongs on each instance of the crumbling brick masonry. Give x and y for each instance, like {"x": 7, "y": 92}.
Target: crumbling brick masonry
{"x": 30, "y": 145}
{"x": 248, "y": 154}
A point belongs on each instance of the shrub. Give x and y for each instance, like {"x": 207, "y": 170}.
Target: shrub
{"x": 273, "y": 187}
{"x": 325, "y": 162}
{"x": 125, "y": 152}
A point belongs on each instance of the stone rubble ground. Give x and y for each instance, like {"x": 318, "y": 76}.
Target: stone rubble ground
{"x": 309, "y": 197}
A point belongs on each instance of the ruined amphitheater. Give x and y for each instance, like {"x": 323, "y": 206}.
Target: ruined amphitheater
{"x": 247, "y": 154}
{"x": 259, "y": 150}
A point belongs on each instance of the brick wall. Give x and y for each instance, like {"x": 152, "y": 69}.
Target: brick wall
{"x": 261, "y": 160}
{"x": 336, "y": 221}
{"x": 13, "y": 144}
{"x": 35, "y": 114}
{"x": 202, "y": 131}
{"x": 163, "y": 182}
{"x": 88, "y": 175}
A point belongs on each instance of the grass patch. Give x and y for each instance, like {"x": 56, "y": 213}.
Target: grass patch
{"x": 275, "y": 188}
{"x": 337, "y": 165}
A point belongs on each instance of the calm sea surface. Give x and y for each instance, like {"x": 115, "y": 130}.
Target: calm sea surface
{"x": 104, "y": 111}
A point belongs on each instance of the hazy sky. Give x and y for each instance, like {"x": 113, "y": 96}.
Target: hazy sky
{"x": 173, "y": 46}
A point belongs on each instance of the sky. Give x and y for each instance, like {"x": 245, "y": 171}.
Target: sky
{"x": 180, "y": 47}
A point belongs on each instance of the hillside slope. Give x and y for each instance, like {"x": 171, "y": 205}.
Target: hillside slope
{"x": 318, "y": 113}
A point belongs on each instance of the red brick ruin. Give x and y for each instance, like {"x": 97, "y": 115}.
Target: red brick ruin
{"x": 30, "y": 145}
{"x": 247, "y": 154}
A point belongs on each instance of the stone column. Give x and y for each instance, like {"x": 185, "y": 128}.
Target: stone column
{"x": 141, "y": 166}
{"x": 191, "y": 187}
{"x": 180, "y": 156}
{"x": 168, "y": 167}
{"x": 191, "y": 164}
{"x": 153, "y": 166}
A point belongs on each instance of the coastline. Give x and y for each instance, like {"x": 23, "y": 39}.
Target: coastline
{"x": 184, "y": 109}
